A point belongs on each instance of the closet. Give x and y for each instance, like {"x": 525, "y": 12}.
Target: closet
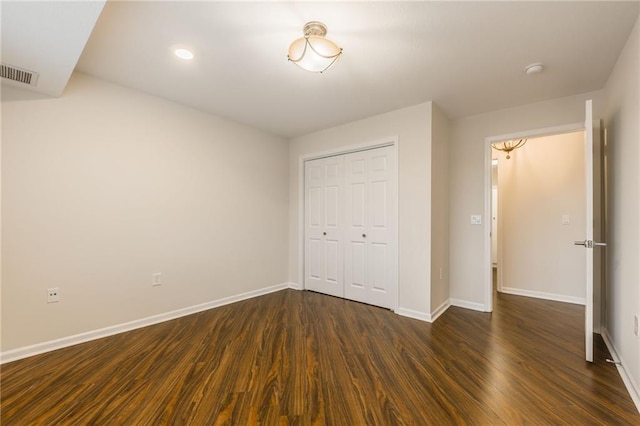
{"x": 350, "y": 230}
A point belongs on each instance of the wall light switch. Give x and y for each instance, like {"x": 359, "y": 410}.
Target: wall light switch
{"x": 566, "y": 219}
{"x": 476, "y": 219}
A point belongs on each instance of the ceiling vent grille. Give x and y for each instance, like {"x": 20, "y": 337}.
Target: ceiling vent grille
{"x": 18, "y": 74}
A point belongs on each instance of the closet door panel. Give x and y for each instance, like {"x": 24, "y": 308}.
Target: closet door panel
{"x": 379, "y": 261}
{"x": 357, "y": 212}
{"x": 332, "y": 232}
{"x": 368, "y": 182}
{"x": 313, "y": 244}
{"x": 315, "y": 264}
{"x": 324, "y": 254}
{"x": 356, "y": 205}
{"x": 381, "y": 229}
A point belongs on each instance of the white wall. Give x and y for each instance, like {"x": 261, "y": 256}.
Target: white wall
{"x": 466, "y": 168}
{"x": 537, "y": 186}
{"x": 106, "y": 185}
{"x": 622, "y": 121}
{"x": 439, "y": 209}
{"x": 412, "y": 126}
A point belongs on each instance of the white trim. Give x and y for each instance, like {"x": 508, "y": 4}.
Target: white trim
{"x": 630, "y": 384}
{"x": 423, "y": 316}
{"x": 467, "y": 305}
{"x": 488, "y": 266}
{"x": 537, "y": 133}
{"x": 365, "y": 146}
{"x": 410, "y": 313}
{"x": 301, "y": 201}
{"x": 294, "y": 286}
{"x": 588, "y": 234}
{"x": 440, "y": 310}
{"x": 51, "y": 345}
{"x": 546, "y": 296}
{"x": 486, "y": 258}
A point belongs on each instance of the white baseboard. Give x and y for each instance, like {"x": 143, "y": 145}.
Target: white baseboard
{"x": 423, "y": 316}
{"x": 440, "y": 310}
{"x": 39, "y": 348}
{"x": 630, "y": 384}
{"x": 410, "y": 313}
{"x": 294, "y": 286}
{"x": 542, "y": 295}
{"x": 467, "y": 305}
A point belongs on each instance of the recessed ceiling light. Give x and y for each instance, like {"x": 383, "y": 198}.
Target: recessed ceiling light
{"x": 185, "y": 54}
{"x": 534, "y": 68}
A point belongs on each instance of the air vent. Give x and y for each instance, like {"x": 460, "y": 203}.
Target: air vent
{"x": 18, "y": 74}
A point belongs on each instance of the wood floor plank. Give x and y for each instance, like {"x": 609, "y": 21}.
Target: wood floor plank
{"x": 301, "y": 358}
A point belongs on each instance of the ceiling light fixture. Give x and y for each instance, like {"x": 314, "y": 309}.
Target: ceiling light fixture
{"x": 314, "y": 52}
{"x": 508, "y": 146}
{"x": 185, "y": 54}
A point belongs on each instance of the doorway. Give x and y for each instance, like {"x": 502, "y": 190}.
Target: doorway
{"x": 521, "y": 224}
{"x": 537, "y": 216}
{"x": 494, "y": 222}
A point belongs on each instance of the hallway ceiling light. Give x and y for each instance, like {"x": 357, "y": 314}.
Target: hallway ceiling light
{"x": 508, "y": 146}
{"x": 314, "y": 52}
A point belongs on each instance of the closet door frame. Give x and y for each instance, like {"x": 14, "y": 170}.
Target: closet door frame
{"x": 389, "y": 141}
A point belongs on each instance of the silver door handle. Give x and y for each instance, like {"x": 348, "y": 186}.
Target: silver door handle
{"x": 589, "y": 244}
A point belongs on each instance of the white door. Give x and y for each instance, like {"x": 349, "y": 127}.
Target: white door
{"x": 494, "y": 225}
{"x": 323, "y": 226}
{"x": 350, "y": 229}
{"x": 370, "y": 227}
{"x": 593, "y": 223}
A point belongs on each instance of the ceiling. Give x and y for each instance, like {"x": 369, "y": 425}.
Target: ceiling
{"x": 468, "y": 57}
{"x": 46, "y": 38}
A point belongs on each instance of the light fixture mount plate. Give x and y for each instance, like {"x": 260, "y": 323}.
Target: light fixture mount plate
{"x": 535, "y": 68}
{"x": 315, "y": 28}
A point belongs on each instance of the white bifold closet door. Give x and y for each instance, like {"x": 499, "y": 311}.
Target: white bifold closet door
{"x": 369, "y": 230}
{"x": 351, "y": 226}
{"x": 323, "y": 251}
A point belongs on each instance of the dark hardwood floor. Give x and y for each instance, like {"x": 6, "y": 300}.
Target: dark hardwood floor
{"x": 297, "y": 357}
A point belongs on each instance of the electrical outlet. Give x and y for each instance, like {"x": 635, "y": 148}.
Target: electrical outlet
{"x": 156, "y": 279}
{"x": 476, "y": 219}
{"x": 635, "y": 325}
{"x": 53, "y": 295}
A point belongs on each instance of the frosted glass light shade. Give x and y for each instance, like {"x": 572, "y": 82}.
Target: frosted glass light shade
{"x": 313, "y": 52}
